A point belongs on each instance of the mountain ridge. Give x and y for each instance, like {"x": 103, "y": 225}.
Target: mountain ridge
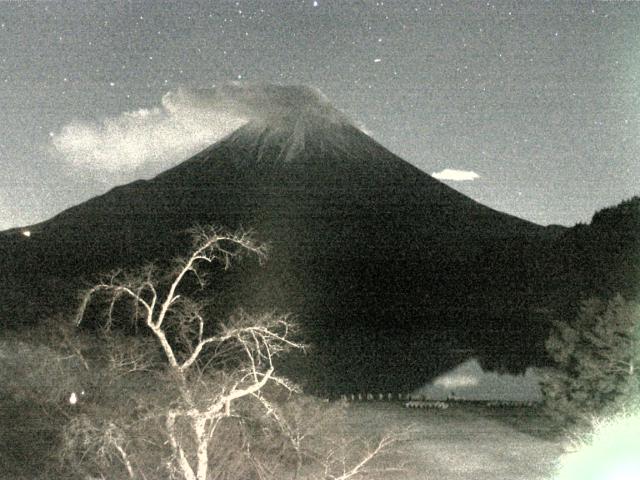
{"x": 387, "y": 268}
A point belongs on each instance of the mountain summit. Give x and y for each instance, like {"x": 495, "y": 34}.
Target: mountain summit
{"x": 287, "y": 117}
{"x": 395, "y": 276}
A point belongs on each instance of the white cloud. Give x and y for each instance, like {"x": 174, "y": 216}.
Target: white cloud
{"x": 187, "y": 121}
{"x": 136, "y": 139}
{"x": 455, "y": 175}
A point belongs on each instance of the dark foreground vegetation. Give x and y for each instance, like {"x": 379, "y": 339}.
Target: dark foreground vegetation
{"x": 148, "y": 380}
{"x": 460, "y": 443}
{"x": 157, "y": 389}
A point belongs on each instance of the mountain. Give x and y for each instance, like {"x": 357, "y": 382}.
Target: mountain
{"x": 395, "y": 276}
{"x": 599, "y": 259}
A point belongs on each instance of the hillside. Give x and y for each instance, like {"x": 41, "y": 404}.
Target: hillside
{"x": 395, "y": 276}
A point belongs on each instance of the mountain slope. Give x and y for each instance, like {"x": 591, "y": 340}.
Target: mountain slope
{"x": 395, "y": 276}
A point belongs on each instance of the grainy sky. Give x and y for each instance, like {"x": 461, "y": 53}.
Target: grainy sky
{"x": 531, "y": 108}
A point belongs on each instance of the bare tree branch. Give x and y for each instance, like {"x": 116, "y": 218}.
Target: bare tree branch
{"x": 177, "y": 323}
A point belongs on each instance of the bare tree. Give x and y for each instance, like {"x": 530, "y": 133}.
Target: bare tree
{"x": 364, "y": 460}
{"x": 195, "y": 351}
{"x": 324, "y": 448}
{"x": 198, "y": 383}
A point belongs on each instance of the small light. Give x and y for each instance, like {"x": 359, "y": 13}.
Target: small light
{"x": 26, "y": 233}
{"x": 73, "y": 398}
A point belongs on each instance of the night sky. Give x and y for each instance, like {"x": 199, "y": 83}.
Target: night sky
{"x": 533, "y": 107}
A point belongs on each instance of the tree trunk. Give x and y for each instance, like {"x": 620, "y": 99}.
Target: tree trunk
{"x": 186, "y": 469}
{"x": 199, "y": 426}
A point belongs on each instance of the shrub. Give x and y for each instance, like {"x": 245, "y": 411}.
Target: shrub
{"x": 597, "y": 360}
{"x": 39, "y": 370}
